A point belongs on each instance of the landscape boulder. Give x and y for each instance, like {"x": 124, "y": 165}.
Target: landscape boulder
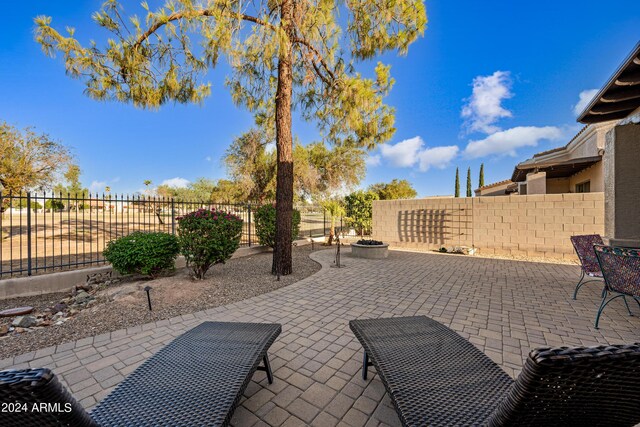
{"x": 24, "y": 321}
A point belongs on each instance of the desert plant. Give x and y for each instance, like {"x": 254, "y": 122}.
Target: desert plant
{"x": 334, "y": 209}
{"x": 359, "y": 210}
{"x": 150, "y": 254}
{"x": 369, "y": 242}
{"x": 208, "y": 237}
{"x": 265, "y": 218}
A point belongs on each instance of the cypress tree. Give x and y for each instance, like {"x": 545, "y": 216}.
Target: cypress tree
{"x": 469, "y": 194}
{"x": 457, "y": 191}
{"x": 481, "y": 180}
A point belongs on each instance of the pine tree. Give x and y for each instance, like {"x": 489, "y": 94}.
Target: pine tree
{"x": 282, "y": 55}
{"x": 457, "y": 193}
{"x": 469, "y": 194}
{"x": 481, "y": 179}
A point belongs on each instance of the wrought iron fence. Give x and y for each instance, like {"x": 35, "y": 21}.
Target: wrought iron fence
{"x": 46, "y": 232}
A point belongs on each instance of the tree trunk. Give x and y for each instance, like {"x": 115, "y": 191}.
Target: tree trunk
{"x": 332, "y": 231}
{"x": 282, "y": 262}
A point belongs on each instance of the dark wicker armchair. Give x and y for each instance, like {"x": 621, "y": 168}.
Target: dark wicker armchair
{"x": 583, "y": 246}
{"x": 435, "y": 377}
{"x": 621, "y": 270}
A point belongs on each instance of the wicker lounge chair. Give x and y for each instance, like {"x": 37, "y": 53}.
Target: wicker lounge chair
{"x": 437, "y": 378}
{"x": 198, "y": 379}
{"x": 621, "y": 270}
{"x": 583, "y": 246}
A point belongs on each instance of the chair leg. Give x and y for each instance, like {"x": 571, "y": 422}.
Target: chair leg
{"x": 627, "y": 305}
{"x": 578, "y": 285}
{"x": 266, "y": 368}
{"x": 267, "y": 365}
{"x": 603, "y": 304}
{"x": 365, "y": 365}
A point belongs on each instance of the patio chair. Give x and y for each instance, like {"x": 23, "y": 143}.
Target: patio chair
{"x": 198, "y": 379}
{"x": 436, "y": 377}
{"x": 583, "y": 246}
{"x": 621, "y": 270}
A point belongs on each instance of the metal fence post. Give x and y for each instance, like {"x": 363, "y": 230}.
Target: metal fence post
{"x": 249, "y": 223}
{"x": 173, "y": 217}
{"x": 28, "y": 234}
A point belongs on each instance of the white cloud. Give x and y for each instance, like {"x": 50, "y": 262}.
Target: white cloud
{"x": 176, "y": 182}
{"x": 484, "y": 106}
{"x": 507, "y": 141}
{"x": 585, "y": 97}
{"x": 411, "y": 152}
{"x": 403, "y": 154}
{"x": 373, "y": 160}
{"x": 438, "y": 157}
{"x": 97, "y": 186}
{"x": 208, "y": 158}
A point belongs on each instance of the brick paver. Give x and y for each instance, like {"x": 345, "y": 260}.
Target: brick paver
{"x": 503, "y": 307}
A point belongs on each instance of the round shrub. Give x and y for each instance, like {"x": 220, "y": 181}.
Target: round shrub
{"x": 265, "y": 218}
{"x": 150, "y": 254}
{"x": 359, "y": 210}
{"x": 208, "y": 237}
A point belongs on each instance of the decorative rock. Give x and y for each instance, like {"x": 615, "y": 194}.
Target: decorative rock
{"x": 83, "y": 297}
{"x": 24, "y": 321}
{"x": 4, "y": 329}
{"x": 18, "y": 311}
{"x": 20, "y": 330}
{"x": 464, "y": 250}
{"x": 98, "y": 278}
{"x": 59, "y": 307}
{"x": 58, "y": 315}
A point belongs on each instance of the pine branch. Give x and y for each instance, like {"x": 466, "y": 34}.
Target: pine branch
{"x": 194, "y": 14}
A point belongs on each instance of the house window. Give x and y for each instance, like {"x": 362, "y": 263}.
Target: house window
{"x": 583, "y": 187}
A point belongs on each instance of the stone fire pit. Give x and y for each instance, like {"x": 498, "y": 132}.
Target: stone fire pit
{"x": 370, "y": 249}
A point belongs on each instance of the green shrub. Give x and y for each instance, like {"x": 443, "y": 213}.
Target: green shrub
{"x": 359, "y": 210}
{"x": 265, "y": 219}
{"x": 54, "y": 204}
{"x": 208, "y": 237}
{"x": 150, "y": 254}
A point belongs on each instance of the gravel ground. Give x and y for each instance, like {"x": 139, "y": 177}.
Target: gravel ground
{"x": 238, "y": 279}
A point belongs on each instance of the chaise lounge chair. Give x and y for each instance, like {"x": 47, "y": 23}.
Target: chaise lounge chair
{"x": 589, "y": 267}
{"x": 437, "y": 378}
{"x": 198, "y": 379}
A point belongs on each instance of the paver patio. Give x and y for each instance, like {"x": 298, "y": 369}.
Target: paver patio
{"x": 504, "y": 307}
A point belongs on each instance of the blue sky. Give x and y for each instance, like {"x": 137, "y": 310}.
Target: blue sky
{"x": 490, "y": 82}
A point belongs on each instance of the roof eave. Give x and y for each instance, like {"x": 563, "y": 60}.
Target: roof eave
{"x": 585, "y": 116}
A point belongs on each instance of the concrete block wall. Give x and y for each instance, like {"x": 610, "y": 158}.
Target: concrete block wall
{"x": 533, "y": 225}
{"x": 425, "y": 223}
